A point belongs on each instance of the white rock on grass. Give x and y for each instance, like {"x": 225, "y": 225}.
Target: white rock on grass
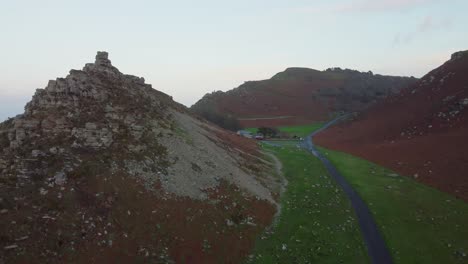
{"x": 43, "y": 191}
{"x": 60, "y": 178}
{"x": 10, "y": 247}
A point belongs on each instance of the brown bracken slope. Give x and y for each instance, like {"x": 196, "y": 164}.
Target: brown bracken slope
{"x": 422, "y": 132}
{"x": 301, "y": 95}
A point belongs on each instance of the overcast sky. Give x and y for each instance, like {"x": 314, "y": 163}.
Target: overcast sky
{"x": 189, "y": 48}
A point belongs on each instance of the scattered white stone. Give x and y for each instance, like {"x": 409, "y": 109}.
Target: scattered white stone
{"x": 60, "y": 178}
{"x": 53, "y": 150}
{"x": 10, "y": 247}
{"x": 37, "y": 153}
{"x": 229, "y": 222}
{"x": 43, "y": 191}
{"x": 22, "y": 238}
{"x": 48, "y": 217}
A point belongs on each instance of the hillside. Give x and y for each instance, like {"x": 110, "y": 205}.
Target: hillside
{"x": 421, "y": 132}
{"x": 301, "y": 95}
{"x": 102, "y": 168}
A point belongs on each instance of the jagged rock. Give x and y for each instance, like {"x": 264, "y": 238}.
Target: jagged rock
{"x": 98, "y": 133}
{"x": 90, "y": 126}
{"x": 53, "y": 150}
{"x": 137, "y": 148}
{"x": 101, "y": 109}
{"x": 102, "y": 59}
{"x": 458, "y": 55}
{"x": 93, "y": 137}
{"x": 37, "y": 153}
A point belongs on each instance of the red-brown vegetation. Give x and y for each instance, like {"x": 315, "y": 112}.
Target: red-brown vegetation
{"x": 421, "y": 133}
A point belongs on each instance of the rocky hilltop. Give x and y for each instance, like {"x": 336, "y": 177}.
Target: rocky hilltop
{"x": 421, "y": 132}
{"x": 102, "y": 167}
{"x": 301, "y": 95}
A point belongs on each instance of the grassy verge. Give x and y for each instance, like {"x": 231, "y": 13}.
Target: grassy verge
{"x": 317, "y": 224}
{"x": 419, "y": 223}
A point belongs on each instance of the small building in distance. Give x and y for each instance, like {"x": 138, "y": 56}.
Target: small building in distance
{"x": 245, "y": 133}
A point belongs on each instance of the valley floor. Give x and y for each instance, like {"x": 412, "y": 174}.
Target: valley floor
{"x": 317, "y": 224}
{"x": 419, "y": 224}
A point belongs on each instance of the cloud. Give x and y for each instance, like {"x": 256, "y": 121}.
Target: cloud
{"x": 371, "y": 6}
{"x": 364, "y": 6}
{"x": 429, "y": 24}
{"x": 426, "y": 25}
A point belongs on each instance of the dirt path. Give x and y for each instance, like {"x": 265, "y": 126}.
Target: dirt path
{"x": 376, "y": 247}
{"x": 284, "y": 184}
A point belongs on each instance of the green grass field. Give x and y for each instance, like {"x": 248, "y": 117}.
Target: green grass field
{"x": 300, "y": 131}
{"x": 317, "y": 224}
{"x": 420, "y": 224}
{"x": 252, "y": 130}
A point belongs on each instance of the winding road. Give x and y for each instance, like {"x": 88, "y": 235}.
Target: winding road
{"x": 376, "y": 247}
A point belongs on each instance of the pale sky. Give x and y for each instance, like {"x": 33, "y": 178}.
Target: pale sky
{"x": 189, "y": 48}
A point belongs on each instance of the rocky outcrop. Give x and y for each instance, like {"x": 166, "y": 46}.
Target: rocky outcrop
{"x": 459, "y": 55}
{"x": 89, "y": 109}
{"x": 100, "y": 109}
{"x": 95, "y": 151}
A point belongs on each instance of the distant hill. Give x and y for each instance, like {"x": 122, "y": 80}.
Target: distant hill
{"x": 301, "y": 95}
{"x": 421, "y": 132}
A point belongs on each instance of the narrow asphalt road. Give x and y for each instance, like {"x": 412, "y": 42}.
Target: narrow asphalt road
{"x": 376, "y": 247}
